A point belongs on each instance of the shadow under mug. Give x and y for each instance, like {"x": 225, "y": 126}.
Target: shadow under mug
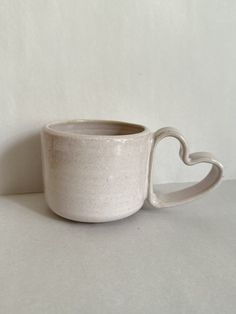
{"x": 97, "y": 171}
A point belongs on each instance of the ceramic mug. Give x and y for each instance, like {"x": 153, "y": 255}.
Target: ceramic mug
{"x": 97, "y": 171}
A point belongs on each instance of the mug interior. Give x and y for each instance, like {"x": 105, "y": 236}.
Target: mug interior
{"x": 108, "y": 128}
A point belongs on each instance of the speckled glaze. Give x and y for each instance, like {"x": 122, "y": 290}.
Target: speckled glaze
{"x": 97, "y": 171}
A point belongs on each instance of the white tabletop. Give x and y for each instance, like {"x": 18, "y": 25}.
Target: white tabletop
{"x": 177, "y": 260}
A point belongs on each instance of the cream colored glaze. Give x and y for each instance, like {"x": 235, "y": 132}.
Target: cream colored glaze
{"x": 97, "y": 171}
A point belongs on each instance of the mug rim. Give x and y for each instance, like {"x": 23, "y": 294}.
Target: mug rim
{"x": 48, "y": 128}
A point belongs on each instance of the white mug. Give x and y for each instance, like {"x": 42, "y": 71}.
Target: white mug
{"x": 97, "y": 171}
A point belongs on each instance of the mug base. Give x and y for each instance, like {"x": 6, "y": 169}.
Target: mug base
{"x": 94, "y": 219}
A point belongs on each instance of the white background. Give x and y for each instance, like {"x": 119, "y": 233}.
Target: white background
{"x": 157, "y": 63}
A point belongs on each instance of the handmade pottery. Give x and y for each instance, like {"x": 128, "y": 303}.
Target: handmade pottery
{"x": 97, "y": 171}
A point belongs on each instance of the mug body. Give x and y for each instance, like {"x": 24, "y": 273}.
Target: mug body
{"x": 95, "y": 171}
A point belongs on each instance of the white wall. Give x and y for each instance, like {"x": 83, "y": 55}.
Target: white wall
{"x": 154, "y": 62}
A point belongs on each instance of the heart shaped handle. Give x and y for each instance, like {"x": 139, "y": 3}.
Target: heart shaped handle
{"x": 188, "y": 194}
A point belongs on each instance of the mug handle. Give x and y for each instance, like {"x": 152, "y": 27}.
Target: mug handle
{"x": 187, "y": 194}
